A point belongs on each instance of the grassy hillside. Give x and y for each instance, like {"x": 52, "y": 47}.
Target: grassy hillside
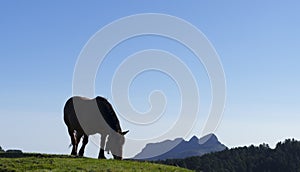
{"x": 41, "y": 162}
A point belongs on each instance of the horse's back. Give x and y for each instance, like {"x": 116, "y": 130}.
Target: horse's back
{"x": 84, "y": 114}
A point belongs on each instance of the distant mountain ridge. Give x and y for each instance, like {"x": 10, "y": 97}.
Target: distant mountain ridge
{"x": 284, "y": 157}
{"x": 180, "y": 148}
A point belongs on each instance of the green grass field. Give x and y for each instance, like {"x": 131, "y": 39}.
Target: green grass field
{"x": 42, "y": 162}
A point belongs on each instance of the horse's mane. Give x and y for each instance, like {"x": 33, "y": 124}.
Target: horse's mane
{"x": 108, "y": 113}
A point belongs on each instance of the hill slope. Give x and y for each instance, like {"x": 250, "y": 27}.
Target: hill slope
{"x": 41, "y": 162}
{"x": 181, "y": 148}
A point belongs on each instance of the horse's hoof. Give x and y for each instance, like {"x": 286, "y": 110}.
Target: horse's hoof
{"x": 101, "y": 157}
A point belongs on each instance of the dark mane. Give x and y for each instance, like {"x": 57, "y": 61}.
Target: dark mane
{"x": 108, "y": 113}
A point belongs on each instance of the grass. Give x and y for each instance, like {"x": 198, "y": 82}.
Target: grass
{"x": 42, "y": 162}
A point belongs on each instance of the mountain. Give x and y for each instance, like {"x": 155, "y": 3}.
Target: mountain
{"x": 179, "y": 148}
{"x": 284, "y": 157}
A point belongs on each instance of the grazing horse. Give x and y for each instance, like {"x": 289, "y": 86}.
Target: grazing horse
{"x": 85, "y": 117}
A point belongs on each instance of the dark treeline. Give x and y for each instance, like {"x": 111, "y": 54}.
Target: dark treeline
{"x": 285, "y": 157}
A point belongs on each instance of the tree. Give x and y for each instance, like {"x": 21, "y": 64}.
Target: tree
{"x": 1, "y": 150}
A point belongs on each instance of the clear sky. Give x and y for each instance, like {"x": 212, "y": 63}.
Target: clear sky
{"x": 257, "y": 41}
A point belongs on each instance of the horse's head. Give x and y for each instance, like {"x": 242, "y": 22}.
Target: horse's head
{"x": 115, "y": 144}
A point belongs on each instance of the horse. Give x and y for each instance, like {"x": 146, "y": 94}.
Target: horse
{"x": 84, "y": 117}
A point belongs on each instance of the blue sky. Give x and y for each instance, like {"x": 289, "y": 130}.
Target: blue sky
{"x": 258, "y": 44}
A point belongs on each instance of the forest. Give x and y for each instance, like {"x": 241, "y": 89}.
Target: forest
{"x": 284, "y": 157}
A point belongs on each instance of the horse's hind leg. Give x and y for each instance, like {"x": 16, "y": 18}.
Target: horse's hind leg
{"x": 72, "y": 134}
{"x": 84, "y": 142}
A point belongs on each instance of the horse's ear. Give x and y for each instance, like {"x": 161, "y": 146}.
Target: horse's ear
{"x": 124, "y": 132}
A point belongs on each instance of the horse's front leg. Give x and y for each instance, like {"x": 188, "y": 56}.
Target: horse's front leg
{"x": 102, "y": 144}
